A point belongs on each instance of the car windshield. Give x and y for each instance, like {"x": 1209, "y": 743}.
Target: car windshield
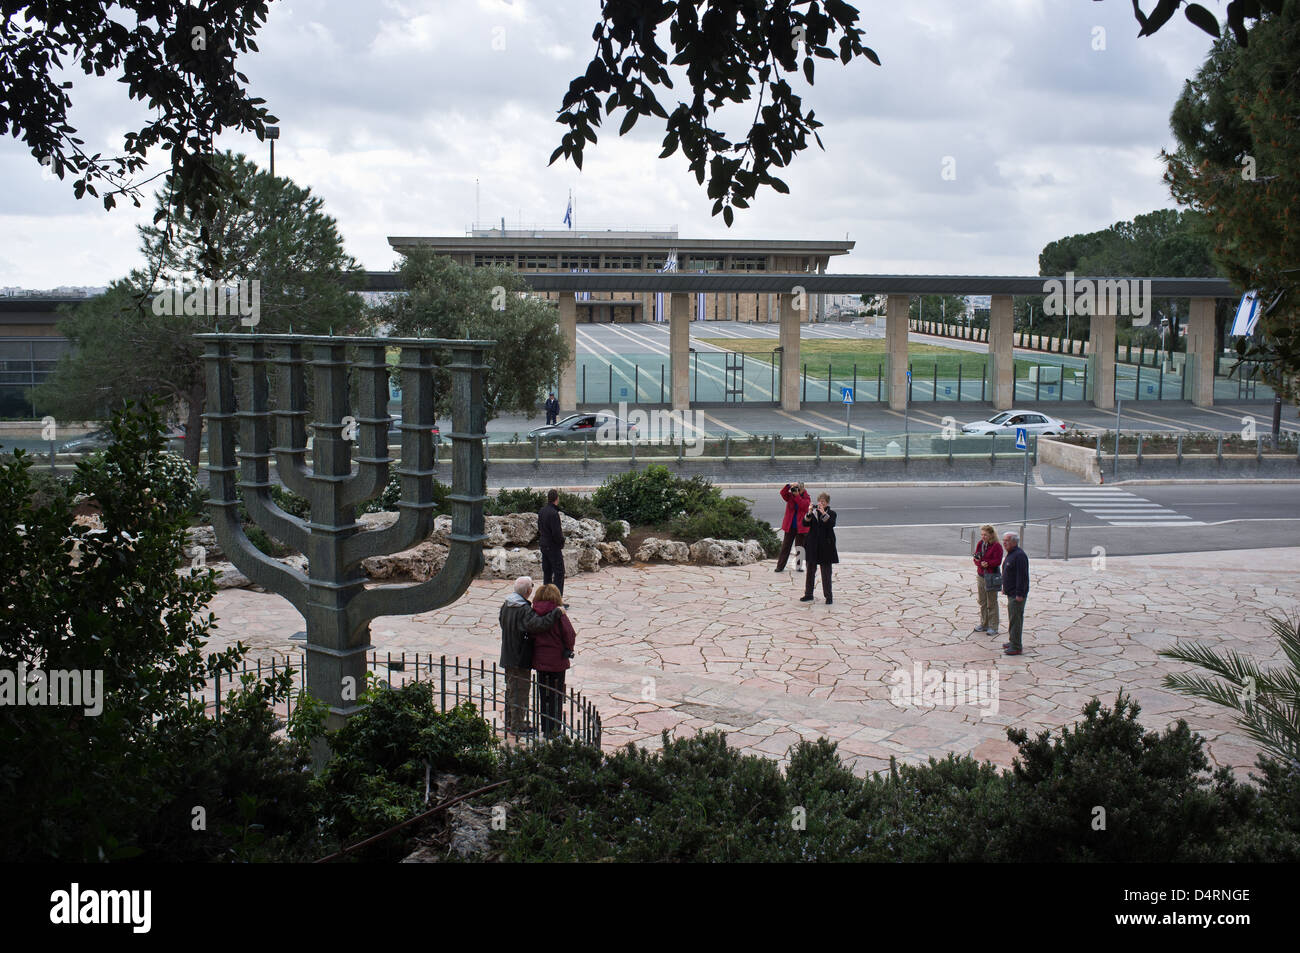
{"x": 571, "y": 419}
{"x": 1000, "y": 418}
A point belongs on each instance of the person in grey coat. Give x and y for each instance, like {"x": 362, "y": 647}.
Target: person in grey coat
{"x": 819, "y": 546}
{"x": 518, "y": 624}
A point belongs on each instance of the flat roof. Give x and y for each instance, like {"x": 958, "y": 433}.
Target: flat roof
{"x": 578, "y": 241}
{"x": 772, "y": 283}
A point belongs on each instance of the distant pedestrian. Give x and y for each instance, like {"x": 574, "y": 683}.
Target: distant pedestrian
{"x": 552, "y": 409}
{"x": 819, "y": 546}
{"x": 988, "y": 578}
{"x": 518, "y": 625}
{"x": 552, "y": 649}
{"x": 1015, "y": 583}
{"x": 797, "y": 502}
{"x": 551, "y": 542}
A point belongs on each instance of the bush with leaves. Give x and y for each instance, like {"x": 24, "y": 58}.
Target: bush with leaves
{"x": 386, "y": 757}
{"x": 648, "y": 497}
{"x": 728, "y": 517}
{"x": 87, "y": 787}
{"x": 698, "y": 799}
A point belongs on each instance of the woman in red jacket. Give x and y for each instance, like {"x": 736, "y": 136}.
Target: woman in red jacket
{"x": 797, "y": 502}
{"x": 552, "y": 650}
{"x": 987, "y": 559}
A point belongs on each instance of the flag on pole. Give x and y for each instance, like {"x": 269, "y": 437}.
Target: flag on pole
{"x": 1243, "y": 324}
{"x": 670, "y": 264}
{"x": 568, "y": 212}
{"x": 699, "y": 302}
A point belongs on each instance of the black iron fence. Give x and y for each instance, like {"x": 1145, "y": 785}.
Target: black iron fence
{"x": 550, "y": 712}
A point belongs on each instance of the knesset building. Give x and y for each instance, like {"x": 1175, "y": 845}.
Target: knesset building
{"x": 617, "y": 276}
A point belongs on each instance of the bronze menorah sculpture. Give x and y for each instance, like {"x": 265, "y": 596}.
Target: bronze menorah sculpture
{"x": 331, "y": 595}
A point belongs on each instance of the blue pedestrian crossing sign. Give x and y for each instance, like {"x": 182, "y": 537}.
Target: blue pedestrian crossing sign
{"x": 1022, "y": 440}
{"x": 846, "y": 393}
{"x": 909, "y": 375}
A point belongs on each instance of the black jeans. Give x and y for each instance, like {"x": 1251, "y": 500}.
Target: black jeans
{"x": 791, "y": 537}
{"x": 550, "y": 700}
{"x": 812, "y": 579}
{"x": 553, "y": 568}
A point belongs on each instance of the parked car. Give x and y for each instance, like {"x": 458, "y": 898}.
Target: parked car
{"x": 395, "y": 432}
{"x": 103, "y": 438}
{"x": 1009, "y": 421}
{"x": 587, "y": 427}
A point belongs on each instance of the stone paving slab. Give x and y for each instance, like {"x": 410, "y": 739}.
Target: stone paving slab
{"x": 671, "y": 648}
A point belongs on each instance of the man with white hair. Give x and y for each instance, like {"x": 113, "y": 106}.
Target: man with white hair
{"x": 518, "y": 622}
{"x": 1015, "y": 583}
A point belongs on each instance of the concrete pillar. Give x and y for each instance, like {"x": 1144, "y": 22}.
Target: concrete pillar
{"x": 1101, "y": 360}
{"x": 896, "y": 350}
{"x": 791, "y": 394}
{"x": 731, "y": 298}
{"x": 1002, "y": 357}
{"x": 679, "y": 348}
{"x": 1200, "y": 352}
{"x": 568, "y": 395}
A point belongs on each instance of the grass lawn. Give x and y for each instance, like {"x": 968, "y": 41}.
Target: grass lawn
{"x": 869, "y": 354}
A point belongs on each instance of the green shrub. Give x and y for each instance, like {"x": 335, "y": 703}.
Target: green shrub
{"x": 727, "y": 518}
{"x": 613, "y": 531}
{"x": 506, "y": 502}
{"x": 387, "y": 500}
{"x": 386, "y": 754}
{"x": 291, "y": 502}
{"x": 648, "y": 497}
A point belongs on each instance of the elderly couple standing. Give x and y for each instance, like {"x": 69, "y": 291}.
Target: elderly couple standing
{"x": 814, "y": 528}
{"x": 1001, "y": 568}
{"x": 539, "y": 637}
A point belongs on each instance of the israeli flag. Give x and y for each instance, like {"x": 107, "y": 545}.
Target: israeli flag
{"x": 670, "y": 264}
{"x": 568, "y": 213}
{"x": 1243, "y": 325}
{"x": 699, "y": 303}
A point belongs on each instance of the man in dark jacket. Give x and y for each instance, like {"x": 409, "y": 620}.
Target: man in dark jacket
{"x": 519, "y": 623}
{"x": 819, "y": 546}
{"x": 552, "y": 409}
{"x": 550, "y": 540}
{"x": 1015, "y": 583}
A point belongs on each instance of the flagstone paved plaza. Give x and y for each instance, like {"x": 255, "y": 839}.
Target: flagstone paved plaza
{"x": 683, "y": 648}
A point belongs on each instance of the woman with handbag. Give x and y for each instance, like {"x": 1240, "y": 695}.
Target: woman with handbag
{"x": 988, "y": 579}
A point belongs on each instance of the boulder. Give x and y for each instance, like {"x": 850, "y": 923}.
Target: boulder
{"x": 586, "y": 531}
{"x": 580, "y": 558}
{"x": 419, "y": 563}
{"x": 502, "y": 563}
{"x": 227, "y": 576}
{"x": 614, "y": 553}
{"x": 441, "y": 534}
{"x": 725, "y": 552}
{"x": 517, "y": 529}
{"x": 372, "y": 521}
{"x": 205, "y": 537}
{"x": 665, "y": 550}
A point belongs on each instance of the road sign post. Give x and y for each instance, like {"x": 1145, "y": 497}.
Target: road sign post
{"x": 1022, "y": 443}
{"x": 846, "y": 393}
{"x": 907, "y": 401}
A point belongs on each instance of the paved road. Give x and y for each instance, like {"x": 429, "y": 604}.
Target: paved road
{"x": 1128, "y": 520}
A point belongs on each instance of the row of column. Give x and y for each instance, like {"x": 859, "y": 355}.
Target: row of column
{"x": 1002, "y": 365}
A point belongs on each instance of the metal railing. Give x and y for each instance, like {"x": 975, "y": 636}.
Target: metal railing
{"x": 1048, "y": 521}
{"x": 455, "y": 680}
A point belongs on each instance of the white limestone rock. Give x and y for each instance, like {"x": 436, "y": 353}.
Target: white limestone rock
{"x": 614, "y": 553}
{"x": 663, "y": 550}
{"x": 725, "y": 552}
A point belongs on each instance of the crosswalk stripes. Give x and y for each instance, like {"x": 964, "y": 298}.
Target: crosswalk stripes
{"x": 1118, "y": 507}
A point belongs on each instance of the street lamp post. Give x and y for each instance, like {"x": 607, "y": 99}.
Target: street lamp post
{"x": 272, "y": 133}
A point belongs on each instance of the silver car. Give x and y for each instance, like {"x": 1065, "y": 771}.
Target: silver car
{"x": 1009, "y": 421}
{"x": 587, "y": 427}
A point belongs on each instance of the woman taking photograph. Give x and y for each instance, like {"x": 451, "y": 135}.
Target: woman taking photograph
{"x": 552, "y": 650}
{"x": 795, "y": 529}
{"x": 988, "y": 578}
{"x": 819, "y": 546}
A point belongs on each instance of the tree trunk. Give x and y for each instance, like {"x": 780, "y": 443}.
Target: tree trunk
{"x": 196, "y": 397}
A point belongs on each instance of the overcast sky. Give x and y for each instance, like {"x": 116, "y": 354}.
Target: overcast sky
{"x": 391, "y": 110}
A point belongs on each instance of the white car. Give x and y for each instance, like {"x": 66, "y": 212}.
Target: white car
{"x": 1009, "y": 421}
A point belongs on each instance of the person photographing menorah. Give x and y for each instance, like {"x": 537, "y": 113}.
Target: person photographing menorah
{"x": 819, "y": 546}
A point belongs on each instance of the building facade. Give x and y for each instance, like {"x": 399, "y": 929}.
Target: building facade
{"x": 559, "y": 251}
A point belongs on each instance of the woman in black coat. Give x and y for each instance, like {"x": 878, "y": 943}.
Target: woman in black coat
{"x": 819, "y": 546}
